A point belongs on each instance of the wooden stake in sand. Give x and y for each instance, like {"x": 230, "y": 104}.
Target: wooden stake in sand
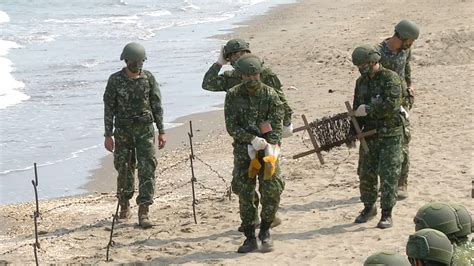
{"x": 36, "y": 214}
{"x": 333, "y": 131}
{"x": 193, "y": 178}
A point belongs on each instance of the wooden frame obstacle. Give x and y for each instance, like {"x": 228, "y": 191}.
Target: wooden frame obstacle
{"x": 325, "y": 147}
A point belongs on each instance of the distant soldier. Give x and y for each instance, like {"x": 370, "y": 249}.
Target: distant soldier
{"x": 429, "y": 247}
{"x": 132, "y": 102}
{"x": 253, "y": 117}
{"x": 452, "y": 220}
{"x": 377, "y": 102}
{"x": 386, "y": 258}
{"x": 396, "y": 55}
{"x": 231, "y": 52}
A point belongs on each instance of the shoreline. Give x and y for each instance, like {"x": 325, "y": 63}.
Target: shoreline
{"x": 308, "y": 45}
{"x": 104, "y": 179}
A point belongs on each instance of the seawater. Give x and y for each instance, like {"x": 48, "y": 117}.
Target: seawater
{"x": 55, "y": 58}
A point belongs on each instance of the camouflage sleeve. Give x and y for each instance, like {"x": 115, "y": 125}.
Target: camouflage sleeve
{"x": 355, "y": 103}
{"x": 213, "y": 81}
{"x": 408, "y": 69}
{"x": 273, "y": 81}
{"x": 390, "y": 103}
{"x": 155, "y": 103}
{"x": 109, "y": 107}
{"x": 231, "y": 122}
{"x": 275, "y": 117}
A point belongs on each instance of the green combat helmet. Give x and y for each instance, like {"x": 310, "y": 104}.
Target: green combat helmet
{"x": 438, "y": 215}
{"x": 407, "y": 29}
{"x": 248, "y": 64}
{"x": 430, "y": 245}
{"x": 133, "y": 52}
{"x": 365, "y": 54}
{"x": 386, "y": 258}
{"x": 465, "y": 219}
{"x": 235, "y": 45}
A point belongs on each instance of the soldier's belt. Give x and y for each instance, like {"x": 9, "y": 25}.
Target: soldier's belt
{"x": 134, "y": 120}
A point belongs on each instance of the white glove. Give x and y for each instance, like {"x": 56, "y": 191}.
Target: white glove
{"x": 361, "y": 110}
{"x": 404, "y": 112}
{"x": 287, "y": 131}
{"x": 221, "y": 60}
{"x": 251, "y": 151}
{"x": 259, "y": 143}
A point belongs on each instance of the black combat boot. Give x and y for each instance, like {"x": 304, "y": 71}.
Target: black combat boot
{"x": 367, "y": 213}
{"x": 386, "y": 220}
{"x": 250, "y": 243}
{"x": 265, "y": 237}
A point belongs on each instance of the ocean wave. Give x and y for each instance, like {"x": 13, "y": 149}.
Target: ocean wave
{"x": 4, "y": 17}
{"x": 158, "y": 13}
{"x": 189, "y": 6}
{"x": 97, "y": 21}
{"x": 72, "y": 155}
{"x": 9, "y": 94}
{"x": 38, "y": 37}
{"x": 223, "y": 17}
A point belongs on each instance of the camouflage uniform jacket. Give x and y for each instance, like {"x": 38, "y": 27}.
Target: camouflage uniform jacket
{"x": 382, "y": 96}
{"x": 463, "y": 253}
{"x": 214, "y": 82}
{"x": 244, "y": 113}
{"x": 126, "y": 99}
{"x": 400, "y": 64}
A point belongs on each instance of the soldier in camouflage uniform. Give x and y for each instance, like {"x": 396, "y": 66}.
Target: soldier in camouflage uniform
{"x": 429, "y": 247}
{"x": 463, "y": 247}
{"x": 377, "y": 101}
{"x": 231, "y": 52}
{"x": 455, "y": 222}
{"x": 212, "y": 81}
{"x": 386, "y": 258}
{"x": 253, "y": 117}
{"x": 396, "y": 55}
{"x": 132, "y": 102}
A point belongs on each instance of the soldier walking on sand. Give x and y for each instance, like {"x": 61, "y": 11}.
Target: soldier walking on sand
{"x": 377, "y": 102}
{"x": 132, "y": 102}
{"x": 396, "y": 55}
{"x": 213, "y": 81}
{"x": 253, "y": 117}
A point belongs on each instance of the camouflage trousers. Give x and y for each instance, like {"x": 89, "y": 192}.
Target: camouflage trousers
{"x": 403, "y": 180}
{"x": 244, "y": 187}
{"x": 135, "y": 149}
{"x": 384, "y": 160}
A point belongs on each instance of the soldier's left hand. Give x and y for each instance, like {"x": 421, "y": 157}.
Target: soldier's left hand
{"x": 161, "y": 141}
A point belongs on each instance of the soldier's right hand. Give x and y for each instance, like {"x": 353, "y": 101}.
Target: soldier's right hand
{"x": 221, "y": 59}
{"x": 259, "y": 143}
{"x": 109, "y": 144}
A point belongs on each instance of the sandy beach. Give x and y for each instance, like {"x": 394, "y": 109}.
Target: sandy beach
{"x": 308, "y": 45}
